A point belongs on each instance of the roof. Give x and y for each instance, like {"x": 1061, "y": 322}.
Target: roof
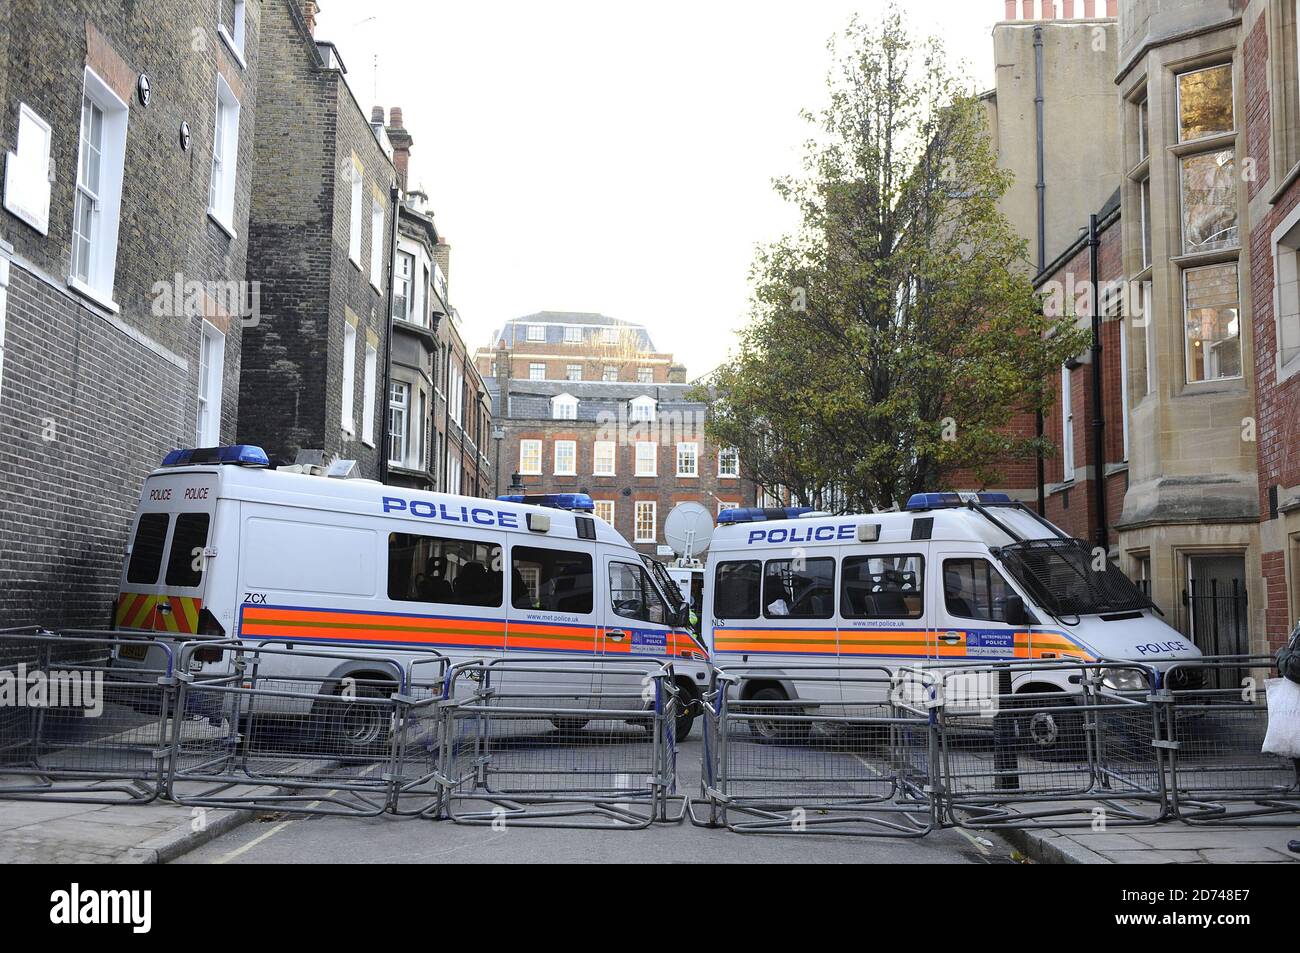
{"x": 370, "y": 498}
{"x": 956, "y": 524}
{"x": 532, "y": 399}
{"x": 513, "y": 331}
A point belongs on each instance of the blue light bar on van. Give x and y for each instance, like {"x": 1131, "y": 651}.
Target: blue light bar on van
{"x": 577, "y": 502}
{"x": 939, "y": 501}
{"x": 244, "y": 455}
{"x": 758, "y": 514}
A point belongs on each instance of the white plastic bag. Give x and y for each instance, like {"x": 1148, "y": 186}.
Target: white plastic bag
{"x": 1283, "y": 735}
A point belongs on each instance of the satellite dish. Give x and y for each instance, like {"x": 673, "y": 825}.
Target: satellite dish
{"x": 688, "y": 529}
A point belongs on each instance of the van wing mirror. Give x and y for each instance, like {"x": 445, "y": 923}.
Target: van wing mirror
{"x": 1017, "y": 613}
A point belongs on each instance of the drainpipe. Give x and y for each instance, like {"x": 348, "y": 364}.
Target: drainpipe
{"x": 1098, "y": 418}
{"x": 394, "y": 198}
{"x": 1041, "y": 186}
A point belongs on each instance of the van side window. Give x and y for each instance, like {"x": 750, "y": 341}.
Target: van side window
{"x": 185, "y": 564}
{"x": 457, "y": 572}
{"x": 735, "y": 590}
{"x": 799, "y": 589}
{"x": 634, "y": 596}
{"x": 147, "y": 550}
{"x": 551, "y": 579}
{"x": 973, "y": 589}
{"x": 881, "y": 587}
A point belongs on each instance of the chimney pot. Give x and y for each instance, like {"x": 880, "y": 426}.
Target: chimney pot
{"x": 395, "y": 117}
{"x": 1067, "y": 9}
{"x": 1027, "y": 7}
{"x": 1011, "y": 9}
{"x": 377, "y": 114}
{"x": 1089, "y": 8}
{"x": 1112, "y": 8}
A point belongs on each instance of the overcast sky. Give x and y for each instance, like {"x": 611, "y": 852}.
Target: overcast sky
{"x": 608, "y": 156}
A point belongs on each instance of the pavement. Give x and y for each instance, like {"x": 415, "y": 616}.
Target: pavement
{"x": 1169, "y": 842}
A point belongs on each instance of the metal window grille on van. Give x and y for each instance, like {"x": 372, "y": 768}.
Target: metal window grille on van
{"x": 1060, "y": 576}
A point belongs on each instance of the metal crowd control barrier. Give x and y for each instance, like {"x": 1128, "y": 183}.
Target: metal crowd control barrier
{"x": 580, "y": 742}
{"x": 817, "y": 748}
{"x": 87, "y": 718}
{"x": 304, "y": 729}
{"x": 1019, "y": 751}
{"x": 1217, "y": 715}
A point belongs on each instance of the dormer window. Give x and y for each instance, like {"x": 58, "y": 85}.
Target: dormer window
{"x": 564, "y": 407}
{"x": 643, "y": 410}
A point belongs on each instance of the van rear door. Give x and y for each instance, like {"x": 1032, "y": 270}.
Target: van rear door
{"x": 166, "y": 569}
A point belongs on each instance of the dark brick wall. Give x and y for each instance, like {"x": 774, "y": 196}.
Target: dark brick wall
{"x": 309, "y": 129}
{"x": 111, "y": 392}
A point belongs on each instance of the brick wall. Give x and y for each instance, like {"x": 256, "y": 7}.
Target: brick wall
{"x": 91, "y": 399}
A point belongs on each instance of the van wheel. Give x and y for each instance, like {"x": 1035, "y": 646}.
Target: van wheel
{"x": 1047, "y": 733}
{"x": 775, "y": 732}
{"x": 355, "y": 729}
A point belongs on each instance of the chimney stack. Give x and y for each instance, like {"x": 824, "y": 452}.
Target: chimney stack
{"x": 1065, "y": 10}
{"x": 442, "y": 255}
{"x": 309, "y": 10}
{"x": 401, "y": 140}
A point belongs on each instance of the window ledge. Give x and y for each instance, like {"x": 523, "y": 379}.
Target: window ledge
{"x": 1223, "y": 385}
{"x": 1141, "y": 170}
{"x": 230, "y": 45}
{"x": 369, "y": 442}
{"x": 1195, "y": 259}
{"x": 86, "y": 291}
{"x": 1222, "y": 140}
{"x": 1285, "y": 184}
{"x": 222, "y": 224}
{"x": 1288, "y": 370}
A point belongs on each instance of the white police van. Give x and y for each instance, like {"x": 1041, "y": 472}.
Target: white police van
{"x": 226, "y": 546}
{"x": 953, "y": 579}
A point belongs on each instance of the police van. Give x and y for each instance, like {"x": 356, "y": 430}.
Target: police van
{"x": 226, "y": 546}
{"x": 951, "y": 580}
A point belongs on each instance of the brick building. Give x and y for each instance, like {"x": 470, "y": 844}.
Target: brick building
{"x": 636, "y": 444}
{"x": 438, "y": 420}
{"x": 320, "y": 239}
{"x": 127, "y": 137}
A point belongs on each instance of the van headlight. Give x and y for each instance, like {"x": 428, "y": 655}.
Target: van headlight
{"x": 1123, "y": 679}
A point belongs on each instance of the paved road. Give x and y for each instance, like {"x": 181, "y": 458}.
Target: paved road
{"x": 286, "y": 838}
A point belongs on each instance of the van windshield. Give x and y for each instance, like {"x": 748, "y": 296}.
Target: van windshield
{"x": 1063, "y": 576}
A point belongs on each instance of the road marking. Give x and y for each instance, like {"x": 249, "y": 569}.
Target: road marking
{"x": 254, "y": 842}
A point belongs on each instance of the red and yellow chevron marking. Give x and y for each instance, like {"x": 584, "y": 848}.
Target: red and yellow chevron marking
{"x": 908, "y": 643}
{"x": 272, "y": 622}
{"x": 135, "y": 610}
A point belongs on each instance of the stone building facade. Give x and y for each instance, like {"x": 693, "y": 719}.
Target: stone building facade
{"x": 126, "y": 134}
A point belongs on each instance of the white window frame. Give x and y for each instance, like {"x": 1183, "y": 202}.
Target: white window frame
{"x": 645, "y": 375}
{"x": 572, "y": 334}
{"x": 734, "y": 454}
{"x": 234, "y": 35}
{"x": 570, "y": 447}
{"x": 1285, "y": 242}
{"x": 654, "y": 458}
{"x": 725, "y": 505}
{"x": 223, "y": 176}
{"x": 456, "y": 395}
{"x": 599, "y": 449}
{"x": 398, "y": 410}
{"x": 692, "y": 448}
{"x": 369, "y": 375}
{"x": 102, "y": 267}
{"x": 355, "y": 213}
{"x": 530, "y": 450}
{"x": 349, "y": 385}
{"x": 532, "y": 368}
{"x": 569, "y": 371}
{"x": 212, "y": 356}
{"x": 639, "y": 507}
{"x": 564, "y": 407}
{"x": 408, "y": 279}
{"x": 609, "y": 507}
{"x": 536, "y": 333}
{"x": 376, "y": 243}
{"x": 1067, "y": 428}
{"x": 609, "y": 374}
{"x": 1178, "y": 102}
{"x": 27, "y": 171}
